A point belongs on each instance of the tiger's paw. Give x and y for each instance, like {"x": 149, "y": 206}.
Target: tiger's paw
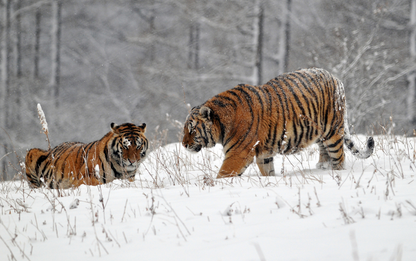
{"x": 272, "y": 173}
{"x": 324, "y": 165}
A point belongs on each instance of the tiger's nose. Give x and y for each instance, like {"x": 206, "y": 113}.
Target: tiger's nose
{"x": 132, "y": 160}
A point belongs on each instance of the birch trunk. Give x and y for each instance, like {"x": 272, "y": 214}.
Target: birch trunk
{"x": 38, "y": 16}
{"x": 193, "y": 55}
{"x": 258, "y": 42}
{"x": 412, "y": 76}
{"x": 18, "y": 62}
{"x": 4, "y": 83}
{"x": 5, "y": 61}
{"x": 283, "y": 52}
{"x": 18, "y": 46}
{"x": 55, "y": 49}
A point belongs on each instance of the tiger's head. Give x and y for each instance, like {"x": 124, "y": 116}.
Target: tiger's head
{"x": 199, "y": 129}
{"x": 129, "y": 146}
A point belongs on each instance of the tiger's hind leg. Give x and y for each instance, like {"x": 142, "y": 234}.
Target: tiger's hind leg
{"x": 266, "y": 166}
{"x": 33, "y": 179}
{"x": 33, "y": 159}
{"x": 324, "y": 159}
{"x": 335, "y": 150}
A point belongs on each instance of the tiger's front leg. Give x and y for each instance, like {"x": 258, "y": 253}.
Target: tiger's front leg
{"x": 234, "y": 165}
{"x": 324, "y": 159}
{"x": 266, "y": 166}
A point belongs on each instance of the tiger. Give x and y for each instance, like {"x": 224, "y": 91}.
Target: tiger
{"x": 115, "y": 156}
{"x": 283, "y": 116}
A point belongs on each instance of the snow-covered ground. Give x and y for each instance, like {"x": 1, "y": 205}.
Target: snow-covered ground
{"x": 175, "y": 210}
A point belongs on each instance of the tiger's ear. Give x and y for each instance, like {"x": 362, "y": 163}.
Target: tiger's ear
{"x": 143, "y": 127}
{"x": 205, "y": 112}
{"x": 113, "y": 125}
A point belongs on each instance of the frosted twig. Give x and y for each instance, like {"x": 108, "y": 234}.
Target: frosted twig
{"x": 12, "y": 255}
{"x": 44, "y": 124}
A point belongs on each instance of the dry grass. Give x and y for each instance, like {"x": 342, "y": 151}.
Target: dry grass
{"x": 170, "y": 165}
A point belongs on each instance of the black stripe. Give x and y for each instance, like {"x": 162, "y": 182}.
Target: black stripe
{"x": 250, "y": 106}
{"x": 334, "y": 144}
{"x": 337, "y": 159}
{"x": 216, "y": 118}
{"x": 233, "y": 93}
{"x": 39, "y": 162}
{"x": 318, "y": 87}
{"x": 255, "y": 91}
{"x": 295, "y": 95}
{"x": 117, "y": 174}
{"x": 288, "y": 146}
{"x": 293, "y": 116}
{"x": 271, "y": 130}
{"x": 310, "y": 102}
{"x": 283, "y": 105}
{"x": 205, "y": 136}
{"x": 236, "y": 95}
{"x": 335, "y": 151}
{"x": 221, "y": 104}
{"x": 107, "y": 161}
{"x": 104, "y": 178}
{"x": 87, "y": 149}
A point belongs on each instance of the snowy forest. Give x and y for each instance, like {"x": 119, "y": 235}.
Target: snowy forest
{"x": 93, "y": 62}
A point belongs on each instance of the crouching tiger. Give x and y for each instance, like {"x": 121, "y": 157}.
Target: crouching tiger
{"x": 283, "y": 116}
{"x": 116, "y": 156}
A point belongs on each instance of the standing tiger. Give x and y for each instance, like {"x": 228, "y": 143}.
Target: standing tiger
{"x": 285, "y": 115}
{"x": 116, "y": 156}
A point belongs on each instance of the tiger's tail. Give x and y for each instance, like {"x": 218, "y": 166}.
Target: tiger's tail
{"x": 361, "y": 154}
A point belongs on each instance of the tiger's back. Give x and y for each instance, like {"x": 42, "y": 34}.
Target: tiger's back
{"x": 285, "y": 115}
{"x": 116, "y": 156}
{"x": 297, "y": 109}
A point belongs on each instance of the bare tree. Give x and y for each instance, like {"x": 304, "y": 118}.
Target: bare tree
{"x": 258, "y": 25}
{"x": 147, "y": 12}
{"x": 16, "y": 111}
{"x": 18, "y": 40}
{"x": 193, "y": 53}
{"x": 5, "y": 82}
{"x": 55, "y": 49}
{"x": 411, "y": 115}
{"x": 38, "y": 17}
{"x": 284, "y": 39}
{"x": 5, "y": 60}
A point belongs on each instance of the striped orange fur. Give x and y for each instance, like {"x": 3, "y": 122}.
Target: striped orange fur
{"x": 116, "y": 156}
{"x": 283, "y": 116}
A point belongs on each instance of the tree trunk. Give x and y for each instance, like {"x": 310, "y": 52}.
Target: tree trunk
{"x": 412, "y": 76}
{"x": 193, "y": 56}
{"x": 284, "y": 43}
{"x": 37, "y": 42}
{"x": 18, "y": 63}
{"x": 258, "y": 42}
{"x": 4, "y": 83}
{"x": 5, "y": 62}
{"x": 55, "y": 49}
{"x": 152, "y": 32}
{"x": 18, "y": 40}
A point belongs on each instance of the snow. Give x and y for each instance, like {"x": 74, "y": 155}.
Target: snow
{"x": 97, "y": 171}
{"x": 175, "y": 210}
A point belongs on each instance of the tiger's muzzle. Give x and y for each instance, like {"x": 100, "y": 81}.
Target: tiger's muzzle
{"x": 193, "y": 148}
